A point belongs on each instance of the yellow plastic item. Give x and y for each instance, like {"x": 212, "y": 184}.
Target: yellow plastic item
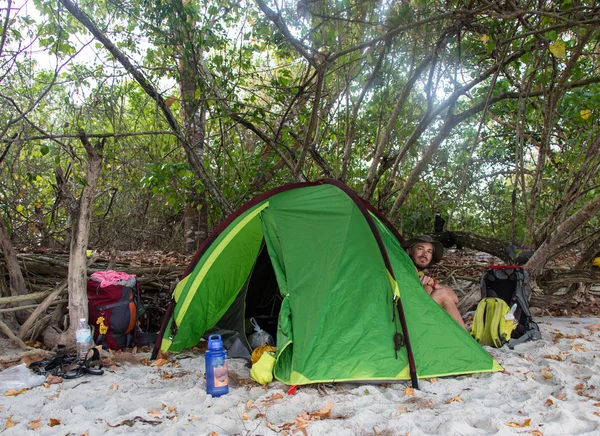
{"x": 258, "y": 351}
{"x": 262, "y": 371}
{"x": 596, "y": 262}
{"x": 103, "y": 327}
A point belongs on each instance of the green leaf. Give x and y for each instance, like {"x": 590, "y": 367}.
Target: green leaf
{"x": 557, "y": 48}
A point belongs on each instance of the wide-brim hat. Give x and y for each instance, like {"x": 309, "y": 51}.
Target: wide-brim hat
{"x": 438, "y": 248}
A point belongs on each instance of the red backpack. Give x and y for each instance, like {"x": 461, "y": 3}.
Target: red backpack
{"x": 115, "y": 305}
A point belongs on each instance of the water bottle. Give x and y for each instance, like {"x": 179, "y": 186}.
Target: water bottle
{"x": 217, "y": 379}
{"x": 510, "y": 316}
{"x": 83, "y": 339}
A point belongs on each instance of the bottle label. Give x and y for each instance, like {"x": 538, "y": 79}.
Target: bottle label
{"x": 83, "y": 336}
{"x": 221, "y": 377}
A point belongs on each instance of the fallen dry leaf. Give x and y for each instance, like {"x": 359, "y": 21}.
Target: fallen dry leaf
{"x": 549, "y": 402}
{"x": 525, "y": 423}
{"x": 456, "y": 399}
{"x": 14, "y": 392}
{"x": 597, "y": 404}
{"x": 9, "y": 422}
{"x": 53, "y": 422}
{"x": 286, "y": 426}
{"x": 593, "y": 328}
{"x": 324, "y": 413}
{"x": 561, "y": 396}
{"x": 194, "y": 418}
{"x": 536, "y": 433}
{"x": 409, "y": 391}
{"x": 35, "y": 424}
{"x": 597, "y": 413}
{"x": 154, "y": 412}
{"x": 244, "y": 417}
{"x": 274, "y": 397}
{"x": 53, "y": 380}
{"x": 114, "y": 387}
{"x": 547, "y": 375}
{"x": 560, "y": 357}
{"x": 579, "y": 387}
{"x": 402, "y": 409}
{"x": 249, "y": 404}
{"x": 271, "y": 426}
{"x": 159, "y": 362}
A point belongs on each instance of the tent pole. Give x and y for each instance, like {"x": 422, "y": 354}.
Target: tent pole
{"x": 411, "y": 361}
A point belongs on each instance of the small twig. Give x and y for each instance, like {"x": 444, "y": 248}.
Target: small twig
{"x": 8, "y": 332}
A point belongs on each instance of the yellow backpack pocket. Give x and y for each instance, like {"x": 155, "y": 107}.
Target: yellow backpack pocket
{"x": 493, "y": 322}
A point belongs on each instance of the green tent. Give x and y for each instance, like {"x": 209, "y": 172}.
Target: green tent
{"x": 329, "y": 273}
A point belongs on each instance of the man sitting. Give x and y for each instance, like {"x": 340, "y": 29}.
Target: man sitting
{"x": 425, "y": 251}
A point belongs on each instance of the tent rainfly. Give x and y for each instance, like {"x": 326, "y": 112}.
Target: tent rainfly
{"x": 326, "y": 272}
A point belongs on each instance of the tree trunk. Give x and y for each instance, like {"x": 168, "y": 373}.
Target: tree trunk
{"x": 190, "y": 227}
{"x": 16, "y": 281}
{"x": 77, "y": 279}
{"x": 536, "y": 264}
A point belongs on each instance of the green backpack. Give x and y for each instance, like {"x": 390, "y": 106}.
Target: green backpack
{"x": 493, "y": 322}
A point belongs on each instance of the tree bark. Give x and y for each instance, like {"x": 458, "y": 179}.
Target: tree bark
{"x": 77, "y": 279}
{"x": 493, "y": 246}
{"x": 16, "y": 281}
{"x": 536, "y": 264}
{"x": 555, "y": 280}
{"x": 27, "y": 325}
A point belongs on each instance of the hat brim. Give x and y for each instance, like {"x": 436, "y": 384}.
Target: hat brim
{"x": 438, "y": 248}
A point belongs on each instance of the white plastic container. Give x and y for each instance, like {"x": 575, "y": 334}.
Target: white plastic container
{"x": 83, "y": 339}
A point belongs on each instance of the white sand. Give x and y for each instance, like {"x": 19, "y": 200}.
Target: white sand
{"x": 550, "y": 387}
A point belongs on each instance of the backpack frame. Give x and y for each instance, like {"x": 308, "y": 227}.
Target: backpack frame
{"x": 511, "y": 284}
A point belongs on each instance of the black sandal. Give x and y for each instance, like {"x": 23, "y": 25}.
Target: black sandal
{"x": 90, "y": 365}
{"x": 67, "y": 365}
{"x": 55, "y": 365}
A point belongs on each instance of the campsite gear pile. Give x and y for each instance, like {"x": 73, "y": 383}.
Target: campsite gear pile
{"x": 503, "y": 315}
{"x": 325, "y": 265}
{"x": 115, "y": 307}
{"x": 215, "y": 359}
{"x": 68, "y": 366}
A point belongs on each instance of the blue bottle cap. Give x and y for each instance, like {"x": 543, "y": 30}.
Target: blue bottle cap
{"x": 215, "y": 343}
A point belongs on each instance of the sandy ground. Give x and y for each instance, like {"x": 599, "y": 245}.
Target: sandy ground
{"x": 549, "y": 387}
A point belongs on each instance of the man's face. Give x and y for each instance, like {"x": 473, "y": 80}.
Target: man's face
{"x": 421, "y": 254}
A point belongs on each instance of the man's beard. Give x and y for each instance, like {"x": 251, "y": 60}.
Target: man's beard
{"x": 420, "y": 264}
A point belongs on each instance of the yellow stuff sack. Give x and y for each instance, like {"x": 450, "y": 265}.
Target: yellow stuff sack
{"x": 493, "y": 322}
